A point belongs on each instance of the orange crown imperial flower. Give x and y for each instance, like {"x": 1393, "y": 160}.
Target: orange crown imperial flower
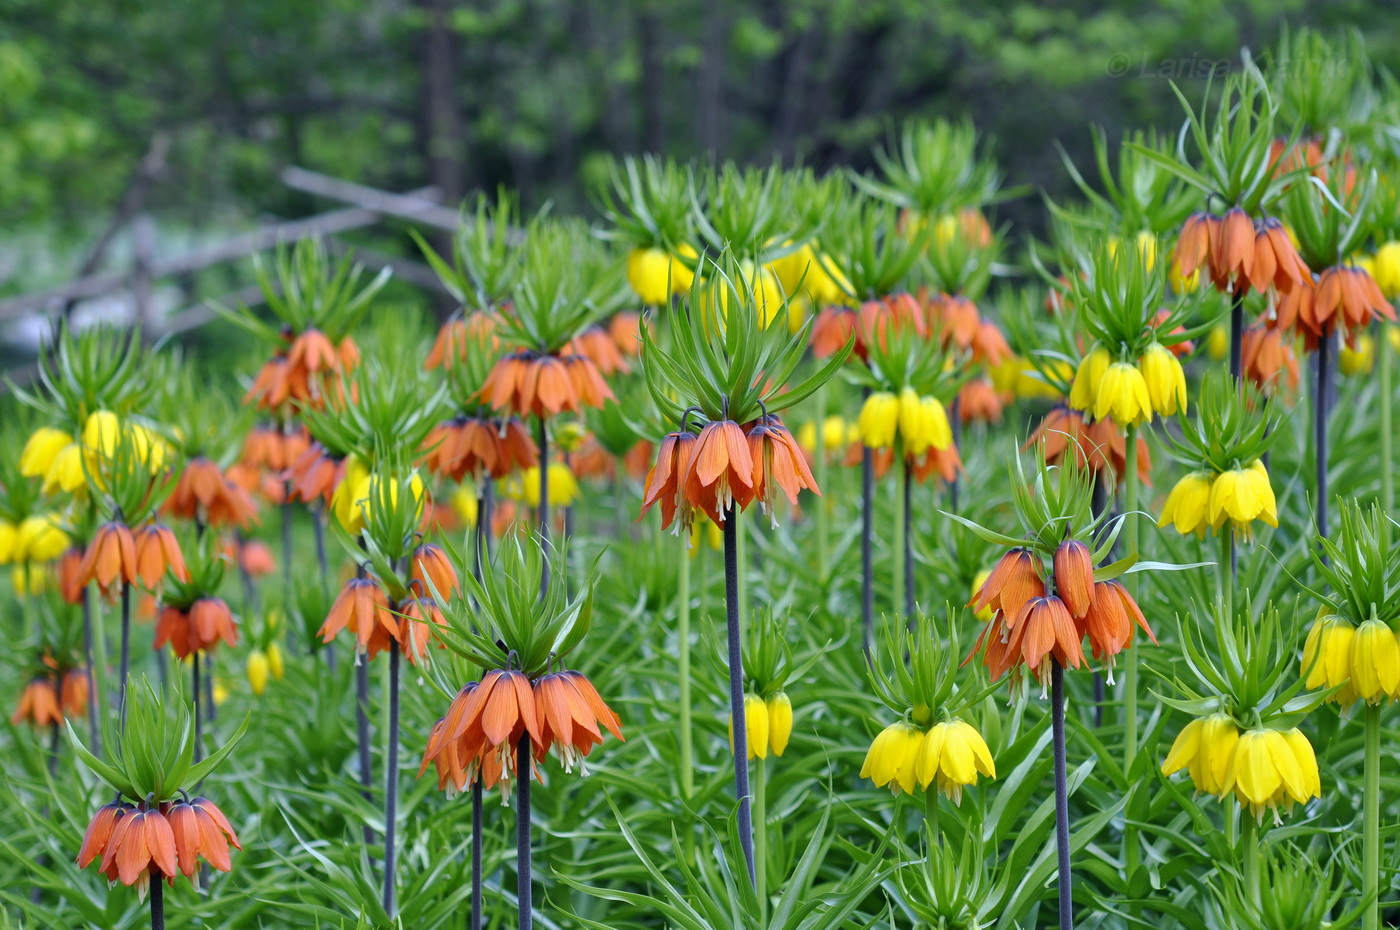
{"x": 721, "y": 472}
{"x": 570, "y": 710}
{"x": 363, "y": 608}
{"x": 157, "y": 550}
{"x": 663, "y": 482}
{"x": 778, "y": 464}
{"x": 110, "y": 555}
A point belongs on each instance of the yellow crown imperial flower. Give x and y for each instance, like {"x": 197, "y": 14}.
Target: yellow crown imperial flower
{"x": 756, "y": 725}
{"x": 343, "y": 501}
{"x": 9, "y": 542}
{"x": 779, "y": 722}
{"x": 39, "y": 538}
{"x": 649, "y": 273}
{"x": 893, "y": 757}
{"x": 1359, "y": 360}
{"x": 65, "y": 472}
{"x": 563, "y": 486}
{"x": 1187, "y": 504}
{"x": 1273, "y": 767}
{"x": 1084, "y": 392}
{"x": 1327, "y": 657}
{"x": 1375, "y": 662}
{"x": 101, "y": 431}
{"x": 879, "y": 419}
{"x": 36, "y": 458}
{"x": 464, "y": 501}
{"x": 923, "y": 423}
{"x": 952, "y": 755}
{"x": 258, "y": 668}
{"x": 1218, "y": 342}
{"x": 835, "y": 431}
{"x": 1166, "y": 381}
{"x": 1205, "y": 747}
{"x": 274, "y": 661}
{"x": 1123, "y": 396}
{"x": 984, "y": 612}
{"x": 1387, "y": 269}
{"x": 1243, "y": 495}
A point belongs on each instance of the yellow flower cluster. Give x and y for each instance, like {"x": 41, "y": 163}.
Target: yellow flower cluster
{"x": 1385, "y": 268}
{"x": 920, "y": 422}
{"x": 261, "y": 664}
{"x": 1263, "y": 767}
{"x": 1364, "y": 660}
{"x": 1238, "y": 496}
{"x": 63, "y": 462}
{"x": 768, "y": 724}
{"x": 1129, "y": 394}
{"x": 524, "y": 486}
{"x": 950, "y": 755}
{"x": 656, "y": 275}
{"x": 1017, "y": 376}
{"x": 37, "y": 538}
{"x": 837, "y": 434}
{"x": 357, "y": 491}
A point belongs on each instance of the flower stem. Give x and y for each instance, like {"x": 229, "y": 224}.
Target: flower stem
{"x": 1249, "y": 845}
{"x": 1130, "y": 657}
{"x": 287, "y": 517}
{"x": 901, "y": 541}
{"x": 931, "y": 816}
{"x": 1130, "y": 539}
{"x": 1057, "y": 698}
{"x": 760, "y": 793}
{"x": 736, "y": 685}
{"x": 198, "y": 717}
{"x": 318, "y": 530}
{"x": 1371, "y": 823}
{"x": 683, "y": 644}
{"x": 867, "y": 520}
{"x": 1237, "y": 331}
{"x": 126, "y": 648}
{"x": 362, "y": 733}
{"x": 1227, "y": 574}
{"x": 542, "y": 440}
{"x": 522, "y": 833}
{"x": 476, "y": 854}
{"x": 157, "y": 895}
{"x": 955, "y": 415}
{"x": 1387, "y": 450}
{"x": 1324, "y": 376}
{"x": 907, "y": 518}
{"x": 823, "y": 517}
{"x": 391, "y": 779}
{"x": 94, "y": 739}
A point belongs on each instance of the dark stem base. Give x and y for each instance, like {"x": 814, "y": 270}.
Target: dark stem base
{"x": 867, "y": 527}
{"x": 157, "y": 894}
{"x": 362, "y": 734}
{"x": 542, "y": 439}
{"x": 476, "y": 855}
{"x": 736, "y": 686}
{"x": 1057, "y": 687}
{"x": 1320, "y": 405}
{"x": 391, "y": 780}
{"x": 126, "y": 649}
{"x": 522, "y": 834}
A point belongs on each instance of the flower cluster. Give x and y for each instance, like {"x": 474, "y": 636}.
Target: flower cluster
{"x": 1263, "y": 767}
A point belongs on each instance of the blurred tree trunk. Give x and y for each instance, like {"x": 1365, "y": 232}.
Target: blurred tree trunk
{"x": 710, "y": 92}
{"x": 649, "y": 38}
{"x": 442, "y": 141}
{"x": 793, "y": 90}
